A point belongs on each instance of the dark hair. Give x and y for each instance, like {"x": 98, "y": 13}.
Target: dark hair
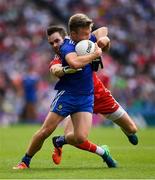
{"x": 79, "y": 21}
{"x": 59, "y": 29}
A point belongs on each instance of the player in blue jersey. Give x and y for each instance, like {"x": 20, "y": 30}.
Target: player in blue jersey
{"x": 104, "y": 102}
{"x": 70, "y": 99}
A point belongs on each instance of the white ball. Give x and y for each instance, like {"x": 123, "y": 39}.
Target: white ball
{"x": 84, "y": 47}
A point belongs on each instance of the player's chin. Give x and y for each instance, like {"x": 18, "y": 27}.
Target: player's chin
{"x": 56, "y": 50}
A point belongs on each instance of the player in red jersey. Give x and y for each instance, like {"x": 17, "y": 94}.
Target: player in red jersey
{"x": 104, "y": 103}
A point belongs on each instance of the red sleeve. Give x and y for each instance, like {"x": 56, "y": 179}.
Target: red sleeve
{"x": 54, "y": 61}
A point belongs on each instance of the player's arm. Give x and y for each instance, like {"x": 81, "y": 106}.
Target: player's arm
{"x": 57, "y": 70}
{"x": 103, "y": 41}
{"x": 55, "y": 67}
{"x": 76, "y": 62}
{"x": 101, "y": 32}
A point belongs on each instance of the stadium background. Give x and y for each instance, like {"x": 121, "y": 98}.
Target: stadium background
{"x": 25, "y": 54}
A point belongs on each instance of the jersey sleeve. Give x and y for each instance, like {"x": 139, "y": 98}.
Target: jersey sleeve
{"x": 67, "y": 49}
{"x": 93, "y": 38}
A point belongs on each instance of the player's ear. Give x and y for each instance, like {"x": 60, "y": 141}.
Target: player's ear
{"x": 73, "y": 34}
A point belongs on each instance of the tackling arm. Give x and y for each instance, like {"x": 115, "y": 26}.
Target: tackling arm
{"x": 57, "y": 70}
{"x": 103, "y": 41}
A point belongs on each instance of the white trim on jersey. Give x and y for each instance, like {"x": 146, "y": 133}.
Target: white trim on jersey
{"x": 71, "y": 42}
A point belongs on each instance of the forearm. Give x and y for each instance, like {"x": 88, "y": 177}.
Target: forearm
{"x": 100, "y": 32}
{"x": 59, "y": 71}
{"x": 81, "y": 61}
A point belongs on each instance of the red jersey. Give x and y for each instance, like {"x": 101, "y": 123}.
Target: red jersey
{"x": 104, "y": 103}
{"x": 56, "y": 60}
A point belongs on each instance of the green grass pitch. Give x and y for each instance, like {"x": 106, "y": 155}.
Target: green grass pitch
{"x": 134, "y": 161}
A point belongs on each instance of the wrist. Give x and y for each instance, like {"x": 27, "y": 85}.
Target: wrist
{"x": 95, "y": 55}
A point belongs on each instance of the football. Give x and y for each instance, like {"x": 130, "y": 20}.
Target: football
{"x": 84, "y": 47}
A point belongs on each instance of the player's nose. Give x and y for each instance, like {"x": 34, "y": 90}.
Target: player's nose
{"x": 54, "y": 45}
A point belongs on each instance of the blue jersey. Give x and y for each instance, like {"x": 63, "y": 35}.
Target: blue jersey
{"x": 77, "y": 83}
{"x": 30, "y": 87}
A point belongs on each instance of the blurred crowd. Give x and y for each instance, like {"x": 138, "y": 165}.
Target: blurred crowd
{"x": 26, "y": 88}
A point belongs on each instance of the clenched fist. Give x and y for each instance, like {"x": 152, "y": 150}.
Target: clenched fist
{"x": 57, "y": 70}
{"x": 104, "y": 43}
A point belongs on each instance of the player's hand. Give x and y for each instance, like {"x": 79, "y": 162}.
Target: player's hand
{"x": 57, "y": 70}
{"x": 68, "y": 70}
{"x": 104, "y": 43}
{"x": 98, "y": 51}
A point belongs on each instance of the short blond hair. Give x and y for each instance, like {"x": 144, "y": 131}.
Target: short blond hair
{"x": 79, "y": 21}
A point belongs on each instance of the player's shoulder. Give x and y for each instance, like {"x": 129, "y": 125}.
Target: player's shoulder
{"x": 68, "y": 44}
{"x": 93, "y": 38}
{"x": 71, "y": 42}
